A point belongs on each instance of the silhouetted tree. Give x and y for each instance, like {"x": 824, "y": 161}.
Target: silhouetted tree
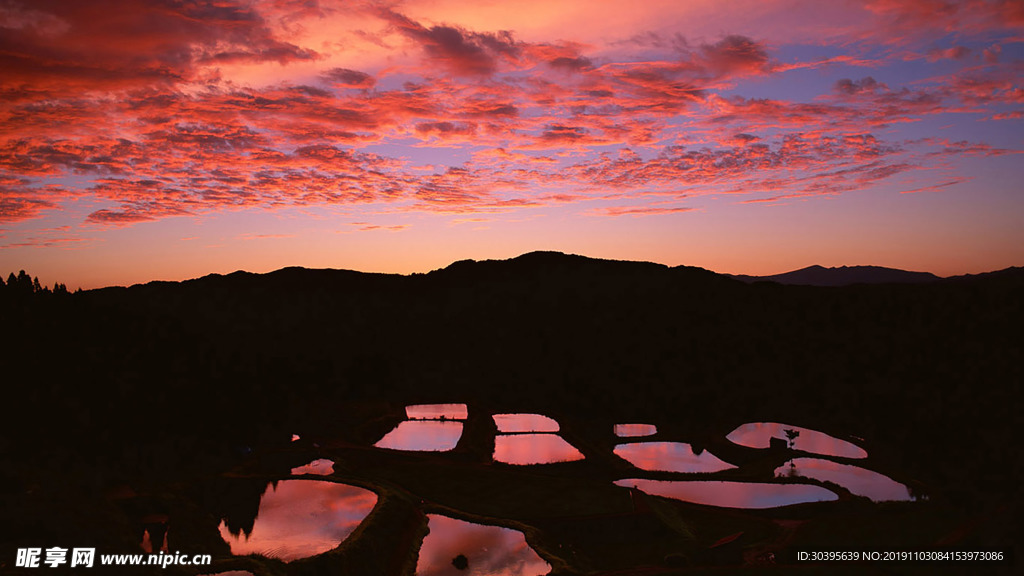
{"x": 792, "y": 435}
{"x": 792, "y": 472}
{"x": 22, "y": 284}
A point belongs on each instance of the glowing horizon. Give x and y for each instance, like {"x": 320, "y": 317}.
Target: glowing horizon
{"x": 171, "y": 139}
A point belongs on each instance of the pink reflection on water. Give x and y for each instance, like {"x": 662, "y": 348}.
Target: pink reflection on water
{"x": 527, "y": 449}
{"x": 524, "y": 423}
{"x": 670, "y": 457}
{"x": 302, "y": 518}
{"x": 489, "y": 550}
{"x": 423, "y": 435}
{"x": 758, "y": 435}
{"x": 147, "y": 543}
{"x": 747, "y": 495}
{"x": 855, "y": 479}
{"x": 436, "y": 412}
{"x": 634, "y": 430}
{"x": 321, "y": 467}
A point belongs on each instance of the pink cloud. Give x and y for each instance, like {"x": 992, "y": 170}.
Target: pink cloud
{"x": 265, "y": 236}
{"x": 639, "y": 210}
{"x": 966, "y": 148}
{"x": 15, "y": 209}
{"x": 735, "y": 56}
{"x": 812, "y": 164}
{"x": 44, "y": 242}
{"x": 446, "y": 129}
{"x": 345, "y": 78}
{"x": 1015, "y": 115}
{"x": 372, "y": 227}
{"x": 149, "y": 122}
{"x": 459, "y": 50}
{"x": 63, "y": 47}
{"x": 936, "y": 187}
{"x": 906, "y": 22}
{"x": 951, "y": 53}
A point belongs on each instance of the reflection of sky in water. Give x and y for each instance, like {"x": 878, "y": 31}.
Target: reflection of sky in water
{"x": 524, "y": 423}
{"x": 436, "y": 411}
{"x": 534, "y": 449}
{"x": 857, "y": 480}
{"x": 634, "y": 430}
{"x": 491, "y": 550}
{"x": 147, "y": 543}
{"x": 321, "y": 467}
{"x": 757, "y": 435}
{"x": 302, "y": 518}
{"x": 670, "y": 457}
{"x": 423, "y": 435}
{"x": 732, "y": 494}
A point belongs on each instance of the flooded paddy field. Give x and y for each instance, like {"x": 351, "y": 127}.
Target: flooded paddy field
{"x": 697, "y": 426}
{"x": 334, "y": 496}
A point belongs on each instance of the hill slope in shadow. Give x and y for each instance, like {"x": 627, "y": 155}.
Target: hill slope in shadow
{"x": 172, "y": 374}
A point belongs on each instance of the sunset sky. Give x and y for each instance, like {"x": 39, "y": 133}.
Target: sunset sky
{"x": 168, "y": 139}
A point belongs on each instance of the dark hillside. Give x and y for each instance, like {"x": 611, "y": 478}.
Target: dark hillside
{"x": 173, "y": 376}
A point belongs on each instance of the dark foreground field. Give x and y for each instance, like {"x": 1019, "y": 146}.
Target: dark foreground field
{"x": 178, "y": 401}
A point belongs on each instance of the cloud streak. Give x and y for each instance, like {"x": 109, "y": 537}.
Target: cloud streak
{"x": 160, "y": 119}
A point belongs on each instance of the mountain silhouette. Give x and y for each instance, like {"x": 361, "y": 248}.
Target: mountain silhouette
{"x": 842, "y": 276}
{"x": 184, "y": 380}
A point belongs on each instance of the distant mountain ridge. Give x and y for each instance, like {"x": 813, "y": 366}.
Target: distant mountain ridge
{"x": 552, "y": 265}
{"x": 842, "y": 276}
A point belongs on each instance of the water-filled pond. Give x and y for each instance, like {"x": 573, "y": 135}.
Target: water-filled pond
{"x": 527, "y": 449}
{"x": 759, "y": 435}
{"x": 512, "y": 423}
{"x": 478, "y": 549}
{"x": 301, "y": 518}
{"x": 423, "y": 435}
{"x": 749, "y": 495}
{"x": 670, "y": 457}
{"x": 320, "y": 467}
{"x": 857, "y": 480}
{"x": 635, "y": 430}
{"x": 436, "y": 412}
